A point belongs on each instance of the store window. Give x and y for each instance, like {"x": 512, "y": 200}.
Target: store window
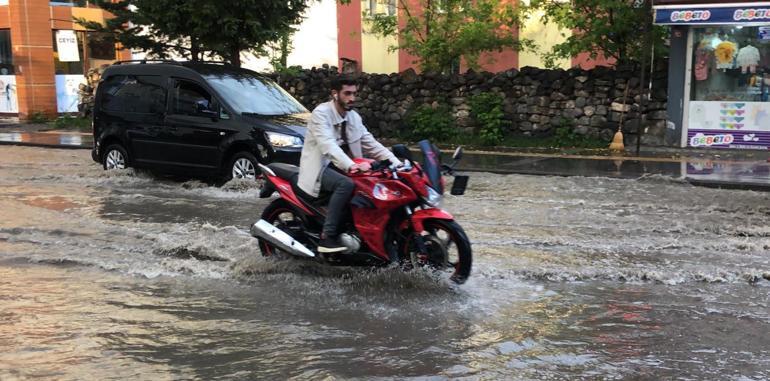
{"x": 729, "y": 105}
{"x": 6, "y": 54}
{"x": 379, "y": 7}
{"x": 731, "y": 63}
{"x": 69, "y": 3}
{"x": 100, "y": 50}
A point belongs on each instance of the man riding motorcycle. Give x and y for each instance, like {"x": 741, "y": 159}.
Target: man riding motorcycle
{"x": 335, "y": 136}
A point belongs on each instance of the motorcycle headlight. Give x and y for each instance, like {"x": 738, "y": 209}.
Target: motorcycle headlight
{"x": 278, "y": 140}
{"x": 434, "y": 198}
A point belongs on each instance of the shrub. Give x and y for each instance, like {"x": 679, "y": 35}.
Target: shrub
{"x": 434, "y": 123}
{"x": 72, "y": 123}
{"x": 565, "y": 136}
{"x": 487, "y": 110}
{"x": 37, "y": 117}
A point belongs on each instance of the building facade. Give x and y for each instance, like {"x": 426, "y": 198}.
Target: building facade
{"x": 719, "y": 72}
{"x": 45, "y": 55}
{"x": 370, "y": 53}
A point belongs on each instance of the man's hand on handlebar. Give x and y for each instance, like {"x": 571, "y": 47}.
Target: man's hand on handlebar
{"x": 360, "y": 167}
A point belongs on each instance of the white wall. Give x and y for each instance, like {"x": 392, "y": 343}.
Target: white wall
{"x": 314, "y": 43}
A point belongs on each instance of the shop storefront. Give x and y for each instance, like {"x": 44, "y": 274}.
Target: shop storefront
{"x": 42, "y": 70}
{"x": 720, "y": 71}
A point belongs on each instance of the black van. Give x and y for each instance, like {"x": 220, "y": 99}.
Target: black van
{"x": 200, "y": 119}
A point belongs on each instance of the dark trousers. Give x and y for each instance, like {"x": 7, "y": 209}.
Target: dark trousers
{"x": 341, "y": 187}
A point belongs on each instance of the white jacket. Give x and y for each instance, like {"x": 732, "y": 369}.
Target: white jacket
{"x": 322, "y": 145}
{"x": 748, "y": 56}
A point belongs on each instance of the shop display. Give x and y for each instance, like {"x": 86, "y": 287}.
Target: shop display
{"x": 725, "y": 53}
{"x": 726, "y": 102}
{"x": 748, "y": 59}
{"x": 730, "y": 64}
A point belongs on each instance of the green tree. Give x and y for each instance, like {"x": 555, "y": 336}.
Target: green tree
{"x": 160, "y": 28}
{"x": 613, "y": 28}
{"x": 247, "y": 24}
{"x": 279, "y": 50}
{"x": 195, "y": 28}
{"x": 442, "y": 32}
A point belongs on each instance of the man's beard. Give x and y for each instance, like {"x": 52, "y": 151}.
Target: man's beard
{"x": 345, "y": 106}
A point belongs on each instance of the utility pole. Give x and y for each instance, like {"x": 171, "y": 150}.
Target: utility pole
{"x": 646, "y": 41}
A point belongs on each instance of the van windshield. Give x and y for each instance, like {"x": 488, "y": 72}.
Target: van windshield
{"x": 254, "y": 95}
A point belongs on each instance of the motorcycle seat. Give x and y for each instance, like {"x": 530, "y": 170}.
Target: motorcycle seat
{"x": 290, "y": 173}
{"x": 283, "y": 170}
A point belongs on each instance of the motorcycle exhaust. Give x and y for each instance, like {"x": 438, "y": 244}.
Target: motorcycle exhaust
{"x": 278, "y": 238}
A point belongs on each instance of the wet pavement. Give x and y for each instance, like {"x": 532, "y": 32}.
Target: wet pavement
{"x": 53, "y": 139}
{"x": 116, "y": 275}
{"x": 741, "y": 172}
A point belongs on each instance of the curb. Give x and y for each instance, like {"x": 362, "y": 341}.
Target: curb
{"x": 43, "y": 145}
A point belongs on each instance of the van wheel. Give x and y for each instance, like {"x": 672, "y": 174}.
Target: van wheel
{"x": 115, "y": 157}
{"x": 243, "y": 165}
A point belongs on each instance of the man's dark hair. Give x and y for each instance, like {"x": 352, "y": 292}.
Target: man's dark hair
{"x": 343, "y": 80}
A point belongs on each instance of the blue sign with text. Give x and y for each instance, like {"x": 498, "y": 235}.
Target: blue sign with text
{"x": 764, "y": 33}
{"x": 727, "y": 15}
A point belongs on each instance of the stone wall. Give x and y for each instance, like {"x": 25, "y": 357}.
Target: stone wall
{"x": 537, "y": 101}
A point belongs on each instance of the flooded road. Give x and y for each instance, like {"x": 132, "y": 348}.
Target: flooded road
{"x": 129, "y": 275}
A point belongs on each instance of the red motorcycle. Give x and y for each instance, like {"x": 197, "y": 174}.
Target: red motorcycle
{"x": 394, "y": 216}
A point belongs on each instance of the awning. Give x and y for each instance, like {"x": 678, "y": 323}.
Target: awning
{"x": 713, "y": 14}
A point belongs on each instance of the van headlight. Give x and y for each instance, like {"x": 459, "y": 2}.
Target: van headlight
{"x": 278, "y": 140}
{"x": 434, "y": 198}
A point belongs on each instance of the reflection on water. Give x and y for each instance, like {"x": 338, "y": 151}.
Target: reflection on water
{"x": 117, "y": 275}
{"x": 749, "y": 172}
{"x": 73, "y": 139}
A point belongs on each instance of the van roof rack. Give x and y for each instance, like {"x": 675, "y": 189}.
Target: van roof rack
{"x": 145, "y": 61}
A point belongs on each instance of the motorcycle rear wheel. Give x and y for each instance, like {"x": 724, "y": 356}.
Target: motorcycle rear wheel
{"x": 448, "y": 249}
{"x": 282, "y": 215}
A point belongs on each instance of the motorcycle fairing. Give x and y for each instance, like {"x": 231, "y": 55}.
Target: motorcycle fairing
{"x": 420, "y": 215}
{"x": 283, "y": 187}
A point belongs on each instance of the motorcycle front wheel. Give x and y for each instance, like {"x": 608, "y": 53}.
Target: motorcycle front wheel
{"x": 447, "y": 249}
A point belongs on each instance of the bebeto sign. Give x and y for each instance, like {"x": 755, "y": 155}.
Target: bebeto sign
{"x": 721, "y": 15}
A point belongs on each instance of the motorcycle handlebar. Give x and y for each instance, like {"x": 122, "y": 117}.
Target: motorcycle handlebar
{"x": 380, "y": 165}
{"x": 383, "y": 165}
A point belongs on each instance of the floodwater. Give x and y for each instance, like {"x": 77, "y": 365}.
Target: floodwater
{"x": 126, "y": 275}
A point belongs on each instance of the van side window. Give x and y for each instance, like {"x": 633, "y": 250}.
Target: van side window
{"x": 141, "y": 94}
{"x": 191, "y": 99}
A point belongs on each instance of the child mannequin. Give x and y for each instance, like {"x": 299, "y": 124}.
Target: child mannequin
{"x": 725, "y": 52}
{"x": 748, "y": 57}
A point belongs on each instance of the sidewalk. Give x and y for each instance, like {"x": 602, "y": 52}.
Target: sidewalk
{"x": 42, "y": 135}
{"x": 737, "y": 169}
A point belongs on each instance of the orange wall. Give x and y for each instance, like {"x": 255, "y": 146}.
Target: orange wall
{"x": 349, "y": 24}
{"x": 585, "y": 61}
{"x": 494, "y": 62}
{"x": 61, "y": 18}
{"x": 5, "y": 20}
{"x": 406, "y": 60}
{"x": 349, "y": 31}
{"x": 32, "y": 23}
{"x": 33, "y": 56}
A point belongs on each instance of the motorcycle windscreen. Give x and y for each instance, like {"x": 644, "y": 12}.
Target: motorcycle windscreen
{"x": 432, "y": 164}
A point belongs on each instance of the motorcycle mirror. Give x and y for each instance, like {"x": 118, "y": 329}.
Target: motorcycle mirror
{"x": 458, "y": 154}
{"x": 402, "y": 152}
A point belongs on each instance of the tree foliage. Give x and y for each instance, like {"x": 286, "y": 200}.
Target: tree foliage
{"x": 194, "y": 29}
{"x": 612, "y": 28}
{"x": 441, "y": 32}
